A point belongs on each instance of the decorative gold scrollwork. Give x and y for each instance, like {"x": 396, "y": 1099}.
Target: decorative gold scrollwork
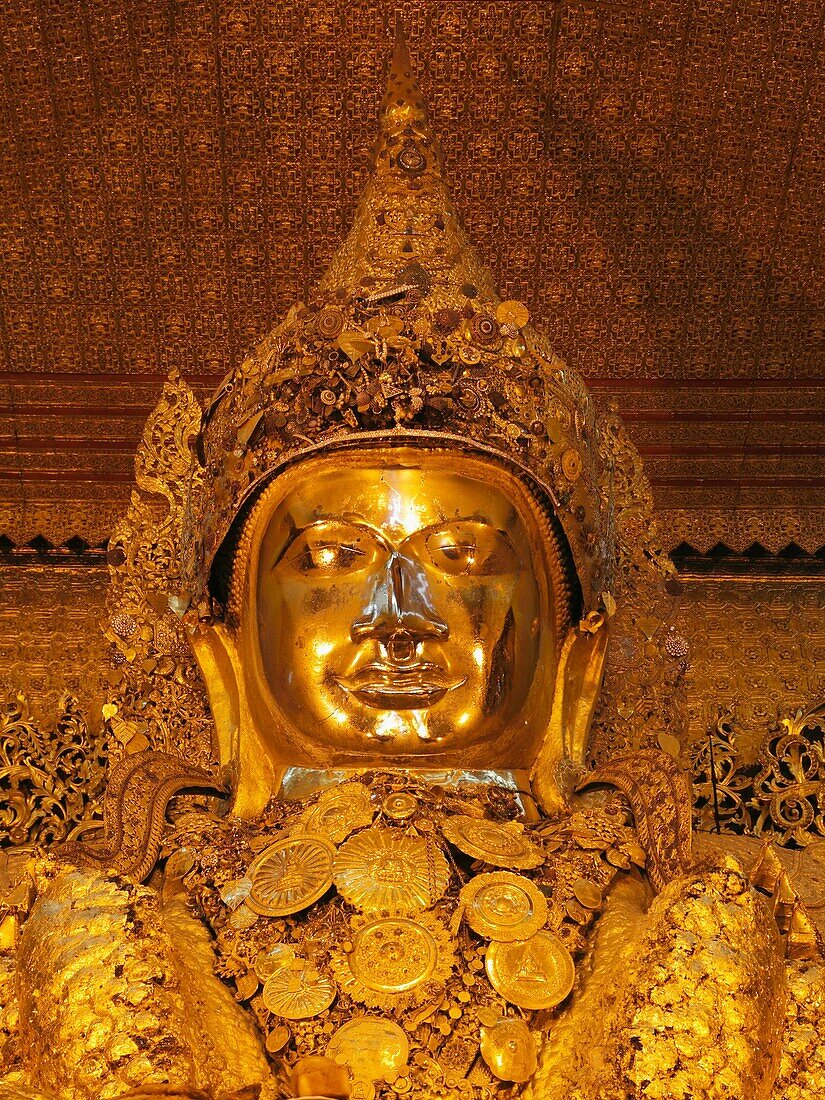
{"x": 51, "y": 782}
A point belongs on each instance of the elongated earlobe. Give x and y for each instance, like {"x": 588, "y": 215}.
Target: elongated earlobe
{"x": 578, "y": 683}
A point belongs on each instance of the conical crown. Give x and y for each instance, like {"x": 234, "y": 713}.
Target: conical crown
{"x": 404, "y": 341}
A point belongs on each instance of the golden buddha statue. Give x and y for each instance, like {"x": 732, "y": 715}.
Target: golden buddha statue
{"x": 428, "y": 836}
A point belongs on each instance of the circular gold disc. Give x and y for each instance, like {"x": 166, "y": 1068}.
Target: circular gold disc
{"x": 535, "y": 973}
{"x": 512, "y": 313}
{"x": 493, "y": 843}
{"x": 384, "y": 871}
{"x": 340, "y": 812}
{"x": 509, "y": 1050}
{"x": 503, "y": 906}
{"x": 393, "y": 955}
{"x": 374, "y": 1049}
{"x": 587, "y": 893}
{"x": 290, "y": 875}
{"x": 400, "y": 806}
{"x": 298, "y": 994}
{"x": 571, "y": 464}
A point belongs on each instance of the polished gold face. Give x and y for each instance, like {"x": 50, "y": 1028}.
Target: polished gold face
{"x": 398, "y": 606}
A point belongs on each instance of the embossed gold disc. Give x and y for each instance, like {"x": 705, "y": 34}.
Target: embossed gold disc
{"x": 535, "y": 973}
{"x": 393, "y": 955}
{"x": 509, "y": 1050}
{"x": 374, "y": 1049}
{"x": 493, "y": 843}
{"x": 503, "y": 906}
{"x": 384, "y": 871}
{"x": 298, "y": 994}
{"x": 290, "y": 875}
{"x": 340, "y": 812}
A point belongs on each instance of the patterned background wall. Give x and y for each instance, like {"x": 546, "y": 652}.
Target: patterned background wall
{"x": 647, "y": 176}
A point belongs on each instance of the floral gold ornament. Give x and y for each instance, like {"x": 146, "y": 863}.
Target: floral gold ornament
{"x": 340, "y": 812}
{"x": 571, "y": 464}
{"x": 395, "y": 963}
{"x": 298, "y": 992}
{"x": 503, "y": 906}
{"x": 537, "y": 973}
{"x": 374, "y": 1049}
{"x": 385, "y": 871}
{"x": 290, "y": 875}
{"x": 509, "y": 1050}
{"x": 496, "y": 844}
{"x": 512, "y": 312}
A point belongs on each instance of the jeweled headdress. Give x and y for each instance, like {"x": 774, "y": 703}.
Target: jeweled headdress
{"x": 404, "y": 340}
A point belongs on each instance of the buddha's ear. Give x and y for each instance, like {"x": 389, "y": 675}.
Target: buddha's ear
{"x": 578, "y": 683}
{"x": 251, "y": 770}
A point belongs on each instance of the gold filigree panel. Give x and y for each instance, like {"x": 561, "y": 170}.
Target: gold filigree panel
{"x": 757, "y": 647}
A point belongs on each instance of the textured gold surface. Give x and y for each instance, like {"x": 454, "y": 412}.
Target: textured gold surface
{"x": 645, "y": 177}
{"x": 662, "y": 968}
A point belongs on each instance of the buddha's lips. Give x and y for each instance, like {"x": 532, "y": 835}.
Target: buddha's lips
{"x": 399, "y": 687}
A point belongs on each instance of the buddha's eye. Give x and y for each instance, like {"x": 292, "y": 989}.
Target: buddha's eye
{"x": 329, "y": 549}
{"x": 468, "y": 548}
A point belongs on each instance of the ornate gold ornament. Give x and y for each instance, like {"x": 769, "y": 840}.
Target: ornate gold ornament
{"x": 537, "y": 973}
{"x": 290, "y": 875}
{"x": 386, "y": 871}
{"x": 298, "y": 991}
{"x": 374, "y": 1049}
{"x": 503, "y": 906}
{"x": 340, "y": 812}
{"x": 395, "y": 963}
{"x": 509, "y": 1050}
{"x": 491, "y": 842}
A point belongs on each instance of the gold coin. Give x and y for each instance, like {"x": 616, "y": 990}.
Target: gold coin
{"x": 503, "y": 906}
{"x": 290, "y": 875}
{"x": 588, "y": 893}
{"x": 384, "y": 871}
{"x": 373, "y": 1049}
{"x": 278, "y": 1038}
{"x": 393, "y": 955}
{"x": 571, "y": 464}
{"x": 509, "y": 1050}
{"x": 512, "y": 313}
{"x": 498, "y": 845}
{"x": 577, "y": 912}
{"x": 400, "y": 806}
{"x": 298, "y": 994}
{"x": 536, "y": 973}
{"x": 361, "y": 1090}
{"x": 340, "y": 812}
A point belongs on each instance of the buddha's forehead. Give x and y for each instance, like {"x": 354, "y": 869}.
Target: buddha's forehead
{"x": 402, "y": 490}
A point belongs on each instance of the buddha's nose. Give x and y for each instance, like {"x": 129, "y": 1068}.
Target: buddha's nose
{"x": 399, "y": 611}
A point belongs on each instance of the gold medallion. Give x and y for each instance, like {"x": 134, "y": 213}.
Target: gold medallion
{"x": 587, "y": 893}
{"x": 399, "y": 806}
{"x": 290, "y": 875}
{"x": 535, "y": 973}
{"x": 503, "y": 906}
{"x": 373, "y": 1049}
{"x": 512, "y": 313}
{"x": 339, "y": 812}
{"x": 499, "y": 845}
{"x": 509, "y": 1050}
{"x": 393, "y": 963}
{"x": 385, "y": 871}
{"x": 297, "y": 994}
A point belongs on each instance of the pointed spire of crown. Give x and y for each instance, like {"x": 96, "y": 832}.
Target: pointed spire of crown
{"x": 406, "y": 230}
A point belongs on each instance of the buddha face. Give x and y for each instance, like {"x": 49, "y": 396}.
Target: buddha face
{"x": 398, "y": 607}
